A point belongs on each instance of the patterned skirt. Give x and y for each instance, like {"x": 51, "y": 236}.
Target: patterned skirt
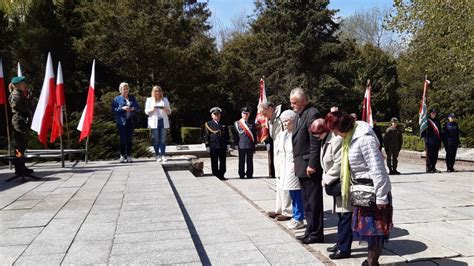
{"x": 372, "y": 225}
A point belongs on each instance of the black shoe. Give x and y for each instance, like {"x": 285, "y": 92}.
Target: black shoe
{"x": 333, "y": 248}
{"x": 242, "y": 177}
{"x": 449, "y": 170}
{"x": 312, "y": 240}
{"x": 436, "y": 171}
{"x": 395, "y": 172}
{"x": 222, "y": 178}
{"x": 249, "y": 177}
{"x": 339, "y": 255}
{"x": 301, "y": 237}
{"x": 391, "y": 173}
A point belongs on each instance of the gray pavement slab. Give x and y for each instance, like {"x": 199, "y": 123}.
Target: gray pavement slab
{"x": 112, "y": 213}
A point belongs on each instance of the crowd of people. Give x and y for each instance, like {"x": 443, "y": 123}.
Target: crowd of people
{"x": 308, "y": 153}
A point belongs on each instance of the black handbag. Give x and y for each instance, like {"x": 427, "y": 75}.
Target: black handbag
{"x": 362, "y": 193}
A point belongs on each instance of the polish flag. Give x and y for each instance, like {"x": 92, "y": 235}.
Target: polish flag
{"x": 57, "y": 129}
{"x": 366, "y": 106}
{"x": 3, "y": 97}
{"x": 43, "y": 117}
{"x": 19, "y": 74}
{"x": 87, "y": 116}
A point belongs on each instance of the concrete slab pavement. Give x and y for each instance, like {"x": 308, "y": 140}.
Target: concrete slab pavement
{"x": 112, "y": 213}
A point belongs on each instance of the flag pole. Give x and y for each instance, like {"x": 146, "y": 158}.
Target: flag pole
{"x": 87, "y": 150}
{"x": 8, "y": 135}
{"x": 62, "y": 150}
{"x": 67, "y": 131}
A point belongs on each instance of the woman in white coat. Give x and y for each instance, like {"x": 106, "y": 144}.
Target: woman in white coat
{"x": 158, "y": 109}
{"x": 285, "y": 169}
{"x": 331, "y": 155}
{"x": 362, "y": 162}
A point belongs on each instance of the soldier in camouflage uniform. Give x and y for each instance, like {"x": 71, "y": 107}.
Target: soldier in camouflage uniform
{"x": 21, "y": 119}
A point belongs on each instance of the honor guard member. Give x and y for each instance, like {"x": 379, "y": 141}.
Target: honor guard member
{"x": 245, "y": 141}
{"x": 217, "y": 137}
{"x": 432, "y": 136}
{"x": 451, "y": 141}
{"x": 393, "y": 142}
{"x": 21, "y": 119}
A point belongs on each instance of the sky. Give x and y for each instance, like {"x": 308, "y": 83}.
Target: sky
{"x": 223, "y": 11}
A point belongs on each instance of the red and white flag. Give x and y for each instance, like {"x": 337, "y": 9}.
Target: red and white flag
{"x": 43, "y": 117}
{"x": 85, "y": 123}
{"x": 3, "y": 97}
{"x": 19, "y": 74}
{"x": 57, "y": 129}
{"x": 260, "y": 120}
{"x": 366, "y": 106}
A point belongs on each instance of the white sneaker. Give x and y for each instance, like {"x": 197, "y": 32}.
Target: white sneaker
{"x": 158, "y": 158}
{"x": 123, "y": 159}
{"x": 163, "y": 158}
{"x": 294, "y": 225}
{"x": 129, "y": 159}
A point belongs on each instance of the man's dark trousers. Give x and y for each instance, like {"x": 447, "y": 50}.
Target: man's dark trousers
{"x": 246, "y": 155}
{"x": 313, "y": 205}
{"x": 218, "y": 158}
{"x": 451, "y": 149}
{"x": 432, "y": 150}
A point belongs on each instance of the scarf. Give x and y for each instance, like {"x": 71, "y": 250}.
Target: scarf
{"x": 345, "y": 170}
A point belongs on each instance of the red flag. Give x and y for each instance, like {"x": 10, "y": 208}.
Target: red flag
{"x": 43, "y": 117}
{"x": 3, "y": 98}
{"x": 366, "y": 106}
{"x": 57, "y": 129}
{"x": 261, "y": 121}
{"x": 85, "y": 123}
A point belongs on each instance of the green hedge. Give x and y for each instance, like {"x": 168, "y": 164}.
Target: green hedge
{"x": 413, "y": 143}
{"x": 191, "y": 135}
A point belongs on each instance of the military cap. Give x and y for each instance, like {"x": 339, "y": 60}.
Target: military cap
{"x": 452, "y": 115}
{"x": 215, "y": 110}
{"x": 17, "y": 80}
{"x": 394, "y": 119}
{"x": 433, "y": 110}
{"x": 246, "y": 109}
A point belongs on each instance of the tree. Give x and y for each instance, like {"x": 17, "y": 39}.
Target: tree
{"x": 368, "y": 27}
{"x": 441, "y": 48}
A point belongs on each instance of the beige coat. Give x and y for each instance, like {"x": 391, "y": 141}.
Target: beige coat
{"x": 331, "y": 155}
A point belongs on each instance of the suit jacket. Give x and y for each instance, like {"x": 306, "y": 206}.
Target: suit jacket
{"x": 120, "y": 114}
{"x": 240, "y": 137}
{"x": 306, "y": 148}
{"x": 218, "y": 135}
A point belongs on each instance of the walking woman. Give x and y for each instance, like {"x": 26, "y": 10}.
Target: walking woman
{"x": 157, "y": 107}
{"x": 124, "y": 107}
{"x": 331, "y": 155}
{"x": 362, "y": 160}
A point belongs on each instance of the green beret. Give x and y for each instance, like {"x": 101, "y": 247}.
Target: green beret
{"x": 17, "y": 80}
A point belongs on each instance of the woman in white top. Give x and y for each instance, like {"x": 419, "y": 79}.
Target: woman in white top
{"x": 158, "y": 108}
{"x": 285, "y": 169}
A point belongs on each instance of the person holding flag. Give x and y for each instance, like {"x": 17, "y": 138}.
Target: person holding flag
{"x": 432, "y": 137}
{"x": 245, "y": 141}
{"x": 21, "y": 120}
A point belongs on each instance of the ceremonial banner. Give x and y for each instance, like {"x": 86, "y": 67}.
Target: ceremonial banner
{"x": 261, "y": 121}
{"x": 366, "y": 106}
{"x": 57, "y": 129}
{"x": 3, "y": 97}
{"x": 423, "y": 118}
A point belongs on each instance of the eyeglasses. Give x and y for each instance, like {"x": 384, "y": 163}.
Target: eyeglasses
{"x": 245, "y": 113}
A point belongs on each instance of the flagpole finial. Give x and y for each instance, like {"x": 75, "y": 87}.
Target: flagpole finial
{"x": 368, "y": 82}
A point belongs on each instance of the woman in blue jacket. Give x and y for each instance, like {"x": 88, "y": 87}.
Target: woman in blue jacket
{"x": 124, "y": 107}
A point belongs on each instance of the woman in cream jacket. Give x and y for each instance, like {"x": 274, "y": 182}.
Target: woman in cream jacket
{"x": 158, "y": 109}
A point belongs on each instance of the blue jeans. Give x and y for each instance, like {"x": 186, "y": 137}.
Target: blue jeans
{"x": 159, "y": 138}
{"x": 297, "y": 204}
{"x": 126, "y": 133}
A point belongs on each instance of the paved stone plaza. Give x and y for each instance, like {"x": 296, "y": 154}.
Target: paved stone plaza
{"x": 112, "y": 213}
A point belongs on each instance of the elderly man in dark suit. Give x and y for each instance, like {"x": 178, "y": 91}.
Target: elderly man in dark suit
{"x": 306, "y": 152}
